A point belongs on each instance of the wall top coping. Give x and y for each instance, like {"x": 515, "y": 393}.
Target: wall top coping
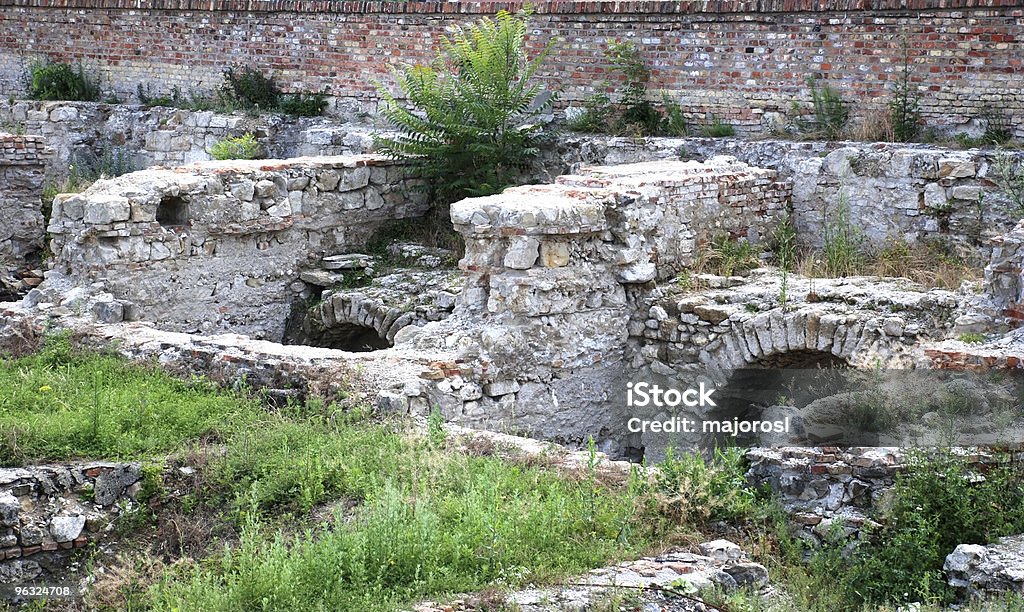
{"x": 486, "y": 7}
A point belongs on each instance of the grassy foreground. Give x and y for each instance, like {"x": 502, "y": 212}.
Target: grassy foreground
{"x": 418, "y": 520}
{"x": 311, "y": 507}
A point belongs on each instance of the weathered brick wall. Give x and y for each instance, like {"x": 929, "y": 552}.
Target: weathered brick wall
{"x": 22, "y": 162}
{"x": 738, "y": 59}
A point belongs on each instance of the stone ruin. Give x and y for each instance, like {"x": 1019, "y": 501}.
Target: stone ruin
{"x": 23, "y": 160}
{"x": 244, "y": 270}
{"x": 221, "y": 247}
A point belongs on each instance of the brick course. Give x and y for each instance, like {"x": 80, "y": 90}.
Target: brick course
{"x": 736, "y": 59}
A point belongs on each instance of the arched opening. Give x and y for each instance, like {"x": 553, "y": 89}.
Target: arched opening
{"x": 344, "y": 337}
{"x": 790, "y": 379}
{"x": 351, "y": 337}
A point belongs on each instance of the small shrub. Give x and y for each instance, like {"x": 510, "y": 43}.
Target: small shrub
{"x": 842, "y": 250}
{"x": 904, "y": 112}
{"x": 303, "y": 104}
{"x": 472, "y": 120}
{"x": 596, "y": 113}
{"x": 246, "y": 87}
{"x": 719, "y": 129}
{"x": 635, "y": 114}
{"x": 938, "y": 503}
{"x": 830, "y": 111}
{"x": 241, "y": 147}
{"x": 60, "y": 81}
{"x": 673, "y": 123}
{"x": 997, "y": 127}
{"x": 783, "y": 244}
{"x": 971, "y": 338}
{"x": 1008, "y": 175}
{"x": 690, "y": 489}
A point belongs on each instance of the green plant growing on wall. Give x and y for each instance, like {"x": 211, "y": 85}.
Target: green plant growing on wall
{"x": 1008, "y": 175}
{"x": 727, "y": 257}
{"x": 831, "y": 113}
{"x": 471, "y": 122}
{"x": 719, "y": 129}
{"x": 241, "y": 147}
{"x": 636, "y": 115}
{"x": 247, "y": 87}
{"x": 904, "y": 111}
{"x": 60, "y": 81}
{"x": 842, "y": 250}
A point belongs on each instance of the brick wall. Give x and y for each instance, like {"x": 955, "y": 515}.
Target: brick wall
{"x": 22, "y": 161}
{"x": 737, "y": 59}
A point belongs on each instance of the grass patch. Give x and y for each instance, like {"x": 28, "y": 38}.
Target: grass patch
{"x": 430, "y": 522}
{"x": 421, "y": 519}
{"x": 727, "y": 257}
{"x": 62, "y": 404}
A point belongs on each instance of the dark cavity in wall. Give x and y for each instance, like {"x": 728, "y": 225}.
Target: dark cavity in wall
{"x": 304, "y": 326}
{"x": 794, "y": 378}
{"x": 172, "y": 212}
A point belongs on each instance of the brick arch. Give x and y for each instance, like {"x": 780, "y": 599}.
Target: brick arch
{"x": 858, "y": 339}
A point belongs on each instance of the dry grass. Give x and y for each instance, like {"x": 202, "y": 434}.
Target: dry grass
{"x": 933, "y": 266}
{"x": 874, "y": 126}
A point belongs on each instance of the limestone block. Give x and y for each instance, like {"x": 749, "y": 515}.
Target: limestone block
{"x": 522, "y": 253}
{"x": 66, "y": 528}
{"x": 935, "y": 196}
{"x": 960, "y": 166}
{"x": 9, "y": 509}
{"x": 103, "y": 209}
{"x": 356, "y": 178}
{"x": 554, "y": 254}
{"x": 243, "y": 189}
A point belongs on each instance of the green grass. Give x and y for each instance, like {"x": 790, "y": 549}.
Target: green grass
{"x": 423, "y": 520}
{"x": 434, "y": 523}
{"x": 62, "y": 404}
{"x": 417, "y": 519}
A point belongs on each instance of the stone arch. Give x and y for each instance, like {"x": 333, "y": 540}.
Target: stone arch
{"x": 352, "y": 316}
{"x": 860, "y": 339}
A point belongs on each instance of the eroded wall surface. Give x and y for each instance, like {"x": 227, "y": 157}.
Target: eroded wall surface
{"x": 22, "y": 163}
{"x": 220, "y": 245}
{"x": 89, "y": 138}
{"x": 890, "y": 191}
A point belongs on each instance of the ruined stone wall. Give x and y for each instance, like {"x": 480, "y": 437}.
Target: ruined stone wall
{"x": 554, "y": 274}
{"x": 48, "y": 512}
{"x": 22, "y": 163}
{"x": 917, "y": 193}
{"x": 116, "y": 138}
{"x": 220, "y": 245}
{"x": 739, "y": 60}
{"x": 825, "y": 488}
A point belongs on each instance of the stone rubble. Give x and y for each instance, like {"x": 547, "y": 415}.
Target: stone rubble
{"x": 720, "y": 564}
{"x": 978, "y": 571}
{"x": 49, "y": 511}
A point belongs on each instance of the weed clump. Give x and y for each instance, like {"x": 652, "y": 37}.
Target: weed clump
{"x": 635, "y": 114}
{"x": 61, "y": 81}
{"x": 240, "y": 147}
